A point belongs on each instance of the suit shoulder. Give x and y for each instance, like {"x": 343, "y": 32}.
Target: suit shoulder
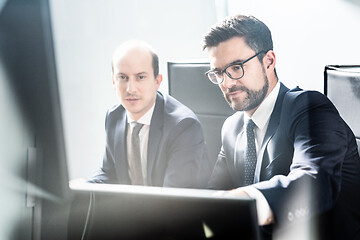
{"x": 115, "y": 109}
{"x": 305, "y": 103}
{"x": 113, "y": 114}
{"x": 306, "y": 98}
{"x": 297, "y": 93}
{"x": 233, "y": 121}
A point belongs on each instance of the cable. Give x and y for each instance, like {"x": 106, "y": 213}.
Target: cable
{"x": 92, "y": 199}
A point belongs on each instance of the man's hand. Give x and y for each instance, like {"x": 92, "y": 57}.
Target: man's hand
{"x": 238, "y": 192}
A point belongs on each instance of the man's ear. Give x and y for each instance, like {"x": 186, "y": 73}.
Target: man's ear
{"x": 113, "y": 81}
{"x": 158, "y": 80}
{"x": 269, "y": 61}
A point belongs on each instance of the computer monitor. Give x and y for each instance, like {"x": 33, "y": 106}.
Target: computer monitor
{"x": 138, "y": 212}
{"x": 27, "y": 58}
{"x": 34, "y": 150}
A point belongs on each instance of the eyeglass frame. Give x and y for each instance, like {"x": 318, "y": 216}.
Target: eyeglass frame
{"x": 241, "y": 63}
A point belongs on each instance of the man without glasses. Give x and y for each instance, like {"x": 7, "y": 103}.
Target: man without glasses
{"x": 151, "y": 138}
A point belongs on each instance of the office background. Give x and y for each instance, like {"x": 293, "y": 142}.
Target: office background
{"x": 307, "y": 36}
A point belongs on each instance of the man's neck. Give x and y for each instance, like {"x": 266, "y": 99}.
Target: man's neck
{"x": 144, "y": 118}
{"x": 272, "y": 85}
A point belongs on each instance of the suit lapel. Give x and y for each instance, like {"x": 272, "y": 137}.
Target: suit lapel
{"x": 236, "y": 164}
{"x": 121, "y": 162}
{"x": 155, "y": 134}
{"x": 271, "y": 129}
{"x": 238, "y": 174}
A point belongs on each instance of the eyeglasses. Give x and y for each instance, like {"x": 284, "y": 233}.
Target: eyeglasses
{"x": 234, "y": 70}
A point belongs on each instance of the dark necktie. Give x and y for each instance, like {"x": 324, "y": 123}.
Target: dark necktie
{"x": 250, "y": 153}
{"x": 136, "y": 171}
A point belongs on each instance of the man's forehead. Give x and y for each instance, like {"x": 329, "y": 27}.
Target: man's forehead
{"x": 227, "y": 52}
{"x": 221, "y": 61}
{"x": 133, "y": 61}
{"x": 127, "y": 54}
{"x": 132, "y": 69}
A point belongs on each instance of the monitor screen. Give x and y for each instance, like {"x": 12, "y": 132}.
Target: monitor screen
{"x": 107, "y": 211}
{"x": 29, "y": 79}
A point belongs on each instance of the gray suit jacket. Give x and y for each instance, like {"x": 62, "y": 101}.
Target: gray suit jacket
{"x": 308, "y": 165}
{"x": 176, "y": 148}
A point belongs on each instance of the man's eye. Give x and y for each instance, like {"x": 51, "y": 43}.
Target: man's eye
{"x": 121, "y": 78}
{"x": 141, "y": 77}
{"x": 218, "y": 73}
{"x": 236, "y": 68}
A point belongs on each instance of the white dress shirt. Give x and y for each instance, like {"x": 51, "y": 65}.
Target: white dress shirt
{"x": 144, "y": 139}
{"x": 261, "y": 118}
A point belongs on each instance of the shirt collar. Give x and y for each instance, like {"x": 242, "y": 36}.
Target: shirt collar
{"x": 262, "y": 115}
{"x": 145, "y": 119}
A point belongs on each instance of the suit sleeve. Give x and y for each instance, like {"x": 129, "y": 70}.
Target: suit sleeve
{"x": 106, "y": 173}
{"x": 320, "y": 143}
{"x": 221, "y": 178}
{"x": 187, "y": 160}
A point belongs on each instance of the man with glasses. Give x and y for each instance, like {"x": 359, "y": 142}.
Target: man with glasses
{"x": 288, "y": 149}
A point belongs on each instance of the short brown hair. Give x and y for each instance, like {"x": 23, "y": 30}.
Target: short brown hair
{"x": 256, "y": 34}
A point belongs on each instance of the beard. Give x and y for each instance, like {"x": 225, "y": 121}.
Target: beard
{"x": 252, "y": 99}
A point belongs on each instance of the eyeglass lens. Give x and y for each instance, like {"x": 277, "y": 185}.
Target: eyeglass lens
{"x": 233, "y": 71}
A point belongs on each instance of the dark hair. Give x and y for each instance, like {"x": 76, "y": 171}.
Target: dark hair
{"x": 155, "y": 63}
{"x": 255, "y": 33}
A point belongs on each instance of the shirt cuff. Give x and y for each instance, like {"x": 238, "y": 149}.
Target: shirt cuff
{"x": 265, "y": 215}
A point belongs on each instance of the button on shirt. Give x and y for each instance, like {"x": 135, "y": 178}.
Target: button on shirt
{"x": 144, "y": 139}
{"x": 261, "y": 118}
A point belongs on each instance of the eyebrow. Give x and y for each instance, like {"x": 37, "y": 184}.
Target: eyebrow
{"x": 232, "y": 63}
{"x": 141, "y": 73}
{"x": 235, "y": 62}
{"x": 121, "y": 73}
{"x": 215, "y": 69}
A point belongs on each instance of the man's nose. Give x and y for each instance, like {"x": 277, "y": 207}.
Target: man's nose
{"x": 228, "y": 82}
{"x": 131, "y": 86}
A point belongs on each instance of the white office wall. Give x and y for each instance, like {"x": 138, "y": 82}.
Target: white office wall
{"x": 307, "y": 35}
{"x": 85, "y": 35}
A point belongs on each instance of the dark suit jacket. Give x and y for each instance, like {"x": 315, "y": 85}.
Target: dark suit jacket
{"x": 308, "y": 165}
{"x": 176, "y": 149}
